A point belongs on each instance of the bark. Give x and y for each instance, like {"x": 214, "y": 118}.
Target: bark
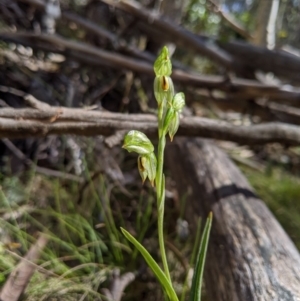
{"x": 178, "y": 33}
{"x": 230, "y": 20}
{"x": 60, "y": 120}
{"x": 91, "y": 55}
{"x": 265, "y": 110}
{"x": 263, "y": 15}
{"x": 271, "y": 28}
{"x": 250, "y": 257}
{"x": 281, "y": 63}
{"x": 235, "y": 54}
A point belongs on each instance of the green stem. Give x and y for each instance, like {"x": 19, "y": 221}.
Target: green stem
{"x": 160, "y": 189}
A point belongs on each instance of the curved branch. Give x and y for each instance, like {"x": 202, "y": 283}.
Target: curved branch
{"x": 178, "y": 33}
{"x": 242, "y": 54}
{"x": 230, "y": 20}
{"x": 96, "y": 57}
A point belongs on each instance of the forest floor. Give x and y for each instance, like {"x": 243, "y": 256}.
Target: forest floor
{"x": 86, "y": 250}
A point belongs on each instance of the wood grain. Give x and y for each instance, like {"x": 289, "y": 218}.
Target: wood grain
{"x": 250, "y": 256}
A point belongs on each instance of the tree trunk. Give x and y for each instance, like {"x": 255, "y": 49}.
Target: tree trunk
{"x": 271, "y": 28}
{"x": 262, "y": 18}
{"x": 250, "y": 257}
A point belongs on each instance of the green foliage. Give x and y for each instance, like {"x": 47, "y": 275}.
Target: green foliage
{"x": 153, "y": 265}
{"x": 169, "y": 107}
{"x": 200, "y": 262}
{"x": 72, "y": 264}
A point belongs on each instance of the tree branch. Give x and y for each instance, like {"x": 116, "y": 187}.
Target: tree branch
{"x": 231, "y": 20}
{"x": 178, "y": 33}
{"x": 94, "y": 56}
{"x": 242, "y": 54}
{"x": 265, "y": 110}
{"x": 31, "y": 122}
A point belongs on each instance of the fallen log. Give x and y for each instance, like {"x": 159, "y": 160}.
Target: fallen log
{"x": 250, "y": 257}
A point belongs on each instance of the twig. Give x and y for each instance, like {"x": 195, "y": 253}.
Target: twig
{"x": 37, "y": 3}
{"x": 90, "y": 26}
{"x": 246, "y": 56}
{"x": 112, "y": 38}
{"x": 29, "y": 99}
{"x": 176, "y": 32}
{"x": 19, "y": 278}
{"x": 119, "y": 283}
{"x": 17, "y": 213}
{"x": 38, "y": 169}
{"x": 265, "y": 110}
{"x": 230, "y": 19}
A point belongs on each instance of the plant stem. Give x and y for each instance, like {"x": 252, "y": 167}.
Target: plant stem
{"x": 160, "y": 191}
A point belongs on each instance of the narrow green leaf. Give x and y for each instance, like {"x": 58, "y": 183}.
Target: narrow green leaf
{"x": 199, "y": 267}
{"x": 154, "y": 266}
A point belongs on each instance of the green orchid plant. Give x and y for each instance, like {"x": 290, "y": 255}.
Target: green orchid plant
{"x": 151, "y": 167}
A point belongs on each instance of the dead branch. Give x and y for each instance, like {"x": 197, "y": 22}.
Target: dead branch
{"x": 118, "y": 285}
{"x": 242, "y": 54}
{"x": 96, "y": 29}
{"x": 91, "y": 26}
{"x": 38, "y": 169}
{"x": 230, "y": 20}
{"x": 20, "y": 276}
{"x": 96, "y": 57}
{"x": 265, "y": 110}
{"x": 37, "y": 3}
{"x": 236, "y": 55}
{"x": 29, "y": 99}
{"x": 177, "y": 33}
{"x": 280, "y": 62}
{"x": 112, "y": 38}
{"x": 59, "y": 120}
{"x": 54, "y": 43}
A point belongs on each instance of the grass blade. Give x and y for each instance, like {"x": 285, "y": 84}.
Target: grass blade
{"x": 153, "y": 265}
{"x": 199, "y": 267}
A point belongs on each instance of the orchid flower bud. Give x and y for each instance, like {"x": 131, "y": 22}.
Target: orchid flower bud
{"x": 163, "y": 65}
{"x": 178, "y": 101}
{"x": 173, "y": 125}
{"x": 147, "y": 167}
{"x": 136, "y": 141}
{"x": 141, "y": 168}
{"x": 171, "y": 122}
{"x": 163, "y": 89}
{"x": 168, "y": 118}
